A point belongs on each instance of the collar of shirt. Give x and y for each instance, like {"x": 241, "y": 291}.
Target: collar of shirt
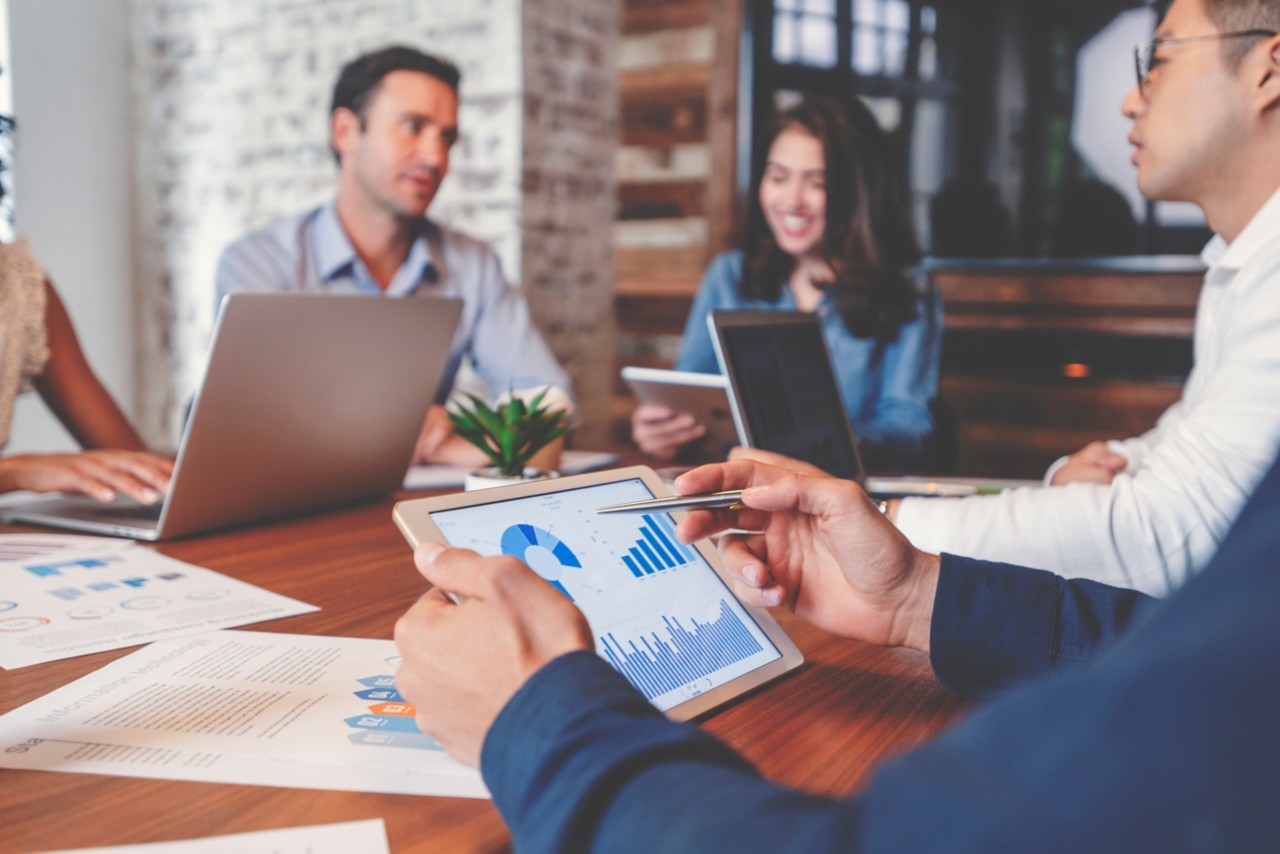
{"x": 1259, "y": 234}
{"x": 336, "y": 259}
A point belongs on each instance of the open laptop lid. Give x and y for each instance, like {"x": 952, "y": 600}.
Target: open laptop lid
{"x": 782, "y": 388}
{"x": 307, "y": 400}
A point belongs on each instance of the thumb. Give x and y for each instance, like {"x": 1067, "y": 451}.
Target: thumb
{"x": 455, "y": 570}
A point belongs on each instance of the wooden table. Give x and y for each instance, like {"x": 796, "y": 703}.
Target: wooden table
{"x": 822, "y": 728}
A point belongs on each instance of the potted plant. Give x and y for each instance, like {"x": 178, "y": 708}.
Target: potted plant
{"x": 509, "y": 434}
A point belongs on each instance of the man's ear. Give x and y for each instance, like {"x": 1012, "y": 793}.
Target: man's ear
{"x": 344, "y": 130}
{"x": 1267, "y": 93}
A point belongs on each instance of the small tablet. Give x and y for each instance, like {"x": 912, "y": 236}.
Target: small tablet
{"x": 704, "y": 396}
{"x": 662, "y": 612}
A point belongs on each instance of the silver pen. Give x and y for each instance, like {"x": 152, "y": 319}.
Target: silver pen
{"x": 730, "y": 499}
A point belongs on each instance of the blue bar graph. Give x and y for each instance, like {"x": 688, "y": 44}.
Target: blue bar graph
{"x": 657, "y": 549}
{"x": 657, "y": 666}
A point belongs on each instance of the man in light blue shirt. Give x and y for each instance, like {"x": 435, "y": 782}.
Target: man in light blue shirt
{"x": 393, "y": 121}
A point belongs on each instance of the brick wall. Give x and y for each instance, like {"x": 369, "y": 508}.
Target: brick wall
{"x": 231, "y": 101}
{"x": 570, "y": 135}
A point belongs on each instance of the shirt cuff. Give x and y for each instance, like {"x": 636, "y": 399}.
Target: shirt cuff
{"x": 1053, "y": 469}
{"x": 993, "y": 624}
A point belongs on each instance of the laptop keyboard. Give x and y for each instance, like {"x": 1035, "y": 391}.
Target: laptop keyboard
{"x": 146, "y": 514}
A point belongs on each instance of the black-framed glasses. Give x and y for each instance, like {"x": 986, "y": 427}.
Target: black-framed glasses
{"x": 1143, "y": 54}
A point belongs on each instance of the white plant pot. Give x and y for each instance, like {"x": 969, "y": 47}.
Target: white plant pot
{"x": 488, "y": 477}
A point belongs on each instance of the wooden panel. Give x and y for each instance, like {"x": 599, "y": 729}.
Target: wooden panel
{"x": 1016, "y": 429}
{"x": 644, "y": 16}
{"x": 661, "y": 200}
{"x": 722, "y": 128}
{"x": 663, "y": 82}
{"x": 683, "y": 264}
{"x": 684, "y": 162}
{"x": 652, "y": 313}
{"x": 665, "y": 123}
{"x": 1165, "y": 294}
{"x": 1116, "y": 324}
{"x": 665, "y": 234}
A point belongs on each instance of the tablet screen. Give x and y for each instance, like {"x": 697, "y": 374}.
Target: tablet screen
{"x": 660, "y": 614}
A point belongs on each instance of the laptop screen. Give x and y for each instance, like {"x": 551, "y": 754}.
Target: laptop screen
{"x": 784, "y": 389}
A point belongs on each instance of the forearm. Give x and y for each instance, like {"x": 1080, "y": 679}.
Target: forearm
{"x": 995, "y": 624}
{"x": 73, "y": 392}
{"x": 579, "y": 760}
{"x": 1135, "y": 532}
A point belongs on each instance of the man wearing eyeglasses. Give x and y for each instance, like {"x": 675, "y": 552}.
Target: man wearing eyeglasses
{"x": 1148, "y": 511}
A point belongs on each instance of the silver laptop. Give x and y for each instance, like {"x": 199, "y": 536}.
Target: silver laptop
{"x": 782, "y": 388}
{"x": 308, "y": 400}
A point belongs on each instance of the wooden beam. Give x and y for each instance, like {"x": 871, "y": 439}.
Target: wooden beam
{"x": 661, "y": 200}
{"x": 662, "y": 83}
{"x": 722, "y": 128}
{"x": 646, "y": 16}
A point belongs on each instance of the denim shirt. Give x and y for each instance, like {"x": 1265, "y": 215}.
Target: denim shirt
{"x": 887, "y": 385}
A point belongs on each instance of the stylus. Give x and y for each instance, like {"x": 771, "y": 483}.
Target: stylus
{"x": 732, "y": 499}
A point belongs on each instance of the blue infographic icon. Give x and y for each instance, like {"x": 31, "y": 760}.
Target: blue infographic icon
{"x": 542, "y": 551}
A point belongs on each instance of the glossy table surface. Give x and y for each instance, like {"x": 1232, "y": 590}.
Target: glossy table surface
{"x": 823, "y": 728}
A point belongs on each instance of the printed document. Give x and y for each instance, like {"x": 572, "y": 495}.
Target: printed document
{"x": 239, "y": 706}
{"x": 367, "y": 837}
{"x": 63, "y": 596}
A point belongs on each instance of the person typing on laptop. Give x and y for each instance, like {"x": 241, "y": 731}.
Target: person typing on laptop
{"x": 393, "y": 121}
{"x": 39, "y": 350}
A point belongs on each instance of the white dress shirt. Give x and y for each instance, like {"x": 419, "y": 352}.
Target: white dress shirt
{"x": 1187, "y": 478}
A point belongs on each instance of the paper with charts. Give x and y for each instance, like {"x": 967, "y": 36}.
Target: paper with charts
{"x": 367, "y": 837}
{"x": 63, "y": 596}
{"x": 241, "y": 707}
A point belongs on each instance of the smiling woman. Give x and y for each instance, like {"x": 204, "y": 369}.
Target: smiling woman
{"x": 827, "y": 233}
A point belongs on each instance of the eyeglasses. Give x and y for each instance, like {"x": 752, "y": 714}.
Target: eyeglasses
{"x": 1144, "y": 54}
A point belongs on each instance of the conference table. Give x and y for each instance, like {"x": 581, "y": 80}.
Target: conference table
{"x": 822, "y": 729}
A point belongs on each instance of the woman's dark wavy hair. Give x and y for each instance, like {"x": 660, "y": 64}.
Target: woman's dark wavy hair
{"x": 868, "y": 240}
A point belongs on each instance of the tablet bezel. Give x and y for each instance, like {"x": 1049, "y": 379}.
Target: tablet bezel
{"x": 413, "y": 517}
{"x": 699, "y": 395}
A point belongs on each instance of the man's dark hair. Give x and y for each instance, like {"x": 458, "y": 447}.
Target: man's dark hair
{"x": 361, "y": 76}
{"x": 1233, "y": 16}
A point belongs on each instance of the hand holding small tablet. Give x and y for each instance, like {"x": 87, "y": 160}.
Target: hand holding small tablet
{"x": 659, "y": 610}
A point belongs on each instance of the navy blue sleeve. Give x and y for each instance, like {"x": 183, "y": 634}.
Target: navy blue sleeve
{"x": 579, "y": 760}
{"x": 995, "y": 624}
{"x": 1165, "y": 742}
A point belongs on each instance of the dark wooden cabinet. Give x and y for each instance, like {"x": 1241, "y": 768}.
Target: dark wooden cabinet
{"x": 1043, "y": 356}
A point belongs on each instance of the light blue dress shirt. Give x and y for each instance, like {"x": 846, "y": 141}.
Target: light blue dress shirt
{"x": 311, "y": 253}
{"x": 887, "y": 385}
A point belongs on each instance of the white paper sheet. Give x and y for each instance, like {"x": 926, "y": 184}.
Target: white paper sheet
{"x": 241, "y": 703}
{"x": 63, "y": 596}
{"x": 451, "y": 477}
{"x": 366, "y": 837}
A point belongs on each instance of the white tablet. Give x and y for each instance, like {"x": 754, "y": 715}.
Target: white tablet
{"x": 660, "y": 610}
{"x": 704, "y": 396}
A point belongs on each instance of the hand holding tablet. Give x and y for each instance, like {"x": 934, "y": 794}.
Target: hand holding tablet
{"x": 659, "y": 610}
